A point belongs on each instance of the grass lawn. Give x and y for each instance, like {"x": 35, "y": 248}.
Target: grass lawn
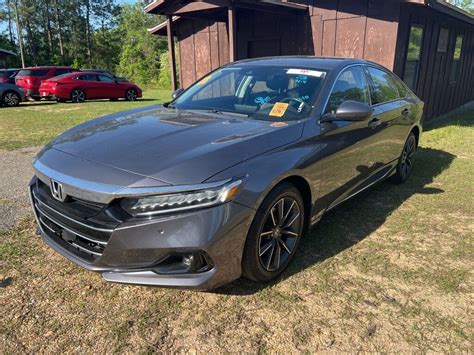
{"x": 390, "y": 270}
{"x": 36, "y": 123}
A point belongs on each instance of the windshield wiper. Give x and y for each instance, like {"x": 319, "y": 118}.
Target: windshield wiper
{"x": 220, "y": 112}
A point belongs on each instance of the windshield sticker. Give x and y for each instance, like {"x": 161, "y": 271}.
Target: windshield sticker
{"x": 301, "y": 79}
{"x": 205, "y": 80}
{"x": 306, "y": 72}
{"x": 304, "y": 98}
{"x": 279, "y": 109}
{"x": 262, "y": 100}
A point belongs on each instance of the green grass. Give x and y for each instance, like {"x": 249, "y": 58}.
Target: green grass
{"x": 36, "y": 123}
{"x": 388, "y": 271}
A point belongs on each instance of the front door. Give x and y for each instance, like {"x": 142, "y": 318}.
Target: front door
{"x": 350, "y": 160}
{"x": 265, "y": 47}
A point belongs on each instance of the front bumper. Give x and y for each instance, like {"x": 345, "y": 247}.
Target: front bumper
{"x": 135, "y": 247}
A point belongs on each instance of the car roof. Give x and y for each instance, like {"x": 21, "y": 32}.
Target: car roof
{"x": 324, "y": 63}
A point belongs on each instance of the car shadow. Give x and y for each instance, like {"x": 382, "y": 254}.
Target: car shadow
{"x": 354, "y": 220}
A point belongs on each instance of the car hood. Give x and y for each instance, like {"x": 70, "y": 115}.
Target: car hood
{"x": 175, "y": 147}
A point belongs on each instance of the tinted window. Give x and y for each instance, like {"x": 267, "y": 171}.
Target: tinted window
{"x": 33, "y": 72}
{"x": 351, "y": 85}
{"x": 87, "y": 77}
{"x": 6, "y": 73}
{"x": 384, "y": 87}
{"x": 106, "y": 79}
{"x": 412, "y": 64}
{"x": 62, "y": 71}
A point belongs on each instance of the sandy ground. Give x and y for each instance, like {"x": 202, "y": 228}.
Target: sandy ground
{"x": 15, "y": 174}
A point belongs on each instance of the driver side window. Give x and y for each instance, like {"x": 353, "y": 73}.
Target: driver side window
{"x": 351, "y": 85}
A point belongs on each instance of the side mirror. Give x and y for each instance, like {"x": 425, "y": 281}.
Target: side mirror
{"x": 350, "y": 111}
{"x": 177, "y": 93}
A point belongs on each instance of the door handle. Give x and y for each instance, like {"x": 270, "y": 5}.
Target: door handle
{"x": 406, "y": 112}
{"x": 375, "y": 123}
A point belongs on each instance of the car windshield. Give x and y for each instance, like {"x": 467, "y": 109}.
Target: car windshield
{"x": 259, "y": 92}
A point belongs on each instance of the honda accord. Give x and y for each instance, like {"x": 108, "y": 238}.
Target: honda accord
{"x": 224, "y": 180}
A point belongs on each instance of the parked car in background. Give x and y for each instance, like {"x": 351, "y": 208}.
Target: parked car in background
{"x": 81, "y": 86}
{"x": 7, "y": 76}
{"x": 11, "y": 95}
{"x": 224, "y": 180}
{"x": 106, "y": 72}
{"x": 30, "y": 78}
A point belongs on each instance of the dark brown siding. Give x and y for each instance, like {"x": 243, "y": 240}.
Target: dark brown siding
{"x": 434, "y": 86}
{"x": 356, "y": 29}
{"x": 203, "y": 46}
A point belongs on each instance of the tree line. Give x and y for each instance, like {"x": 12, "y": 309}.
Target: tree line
{"x": 85, "y": 34}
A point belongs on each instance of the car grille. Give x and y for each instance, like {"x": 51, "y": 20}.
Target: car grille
{"x": 81, "y": 227}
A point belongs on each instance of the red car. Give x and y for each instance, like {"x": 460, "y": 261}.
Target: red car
{"x": 78, "y": 87}
{"x": 30, "y": 78}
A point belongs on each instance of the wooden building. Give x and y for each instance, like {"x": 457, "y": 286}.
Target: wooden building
{"x": 428, "y": 43}
{"x": 3, "y": 57}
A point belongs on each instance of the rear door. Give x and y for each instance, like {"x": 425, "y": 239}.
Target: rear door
{"x": 109, "y": 89}
{"x": 349, "y": 161}
{"x": 393, "y": 109}
{"x": 88, "y": 84}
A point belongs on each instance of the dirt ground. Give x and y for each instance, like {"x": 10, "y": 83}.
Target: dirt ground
{"x": 390, "y": 270}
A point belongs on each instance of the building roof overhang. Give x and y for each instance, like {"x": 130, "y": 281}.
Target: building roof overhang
{"x": 446, "y": 8}
{"x": 7, "y": 53}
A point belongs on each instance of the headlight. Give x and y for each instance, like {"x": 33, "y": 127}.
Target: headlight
{"x": 180, "y": 201}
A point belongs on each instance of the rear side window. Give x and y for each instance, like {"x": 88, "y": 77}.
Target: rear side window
{"x": 62, "y": 71}
{"x": 106, "y": 79}
{"x": 33, "y": 72}
{"x": 87, "y": 77}
{"x": 351, "y": 85}
{"x": 384, "y": 87}
{"x": 5, "y": 74}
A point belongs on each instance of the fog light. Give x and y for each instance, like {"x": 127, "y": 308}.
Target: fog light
{"x": 183, "y": 263}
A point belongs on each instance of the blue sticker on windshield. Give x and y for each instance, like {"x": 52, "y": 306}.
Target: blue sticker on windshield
{"x": 304, "y": 98}
{"x": 301, "y": 79}
{"x": 262, "y": 100}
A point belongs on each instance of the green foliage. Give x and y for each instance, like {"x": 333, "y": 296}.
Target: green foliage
{"x": 140, "y": 53}
{"x": 164, "y": 79}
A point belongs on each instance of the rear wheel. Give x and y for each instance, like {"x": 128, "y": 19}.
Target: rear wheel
{"x": 78, "y": 96}
{"x": 11, "y": 99}
{"x": 131, "y": 95}
{"x": 274, "y": 234}
{"x": 406, "y": 161}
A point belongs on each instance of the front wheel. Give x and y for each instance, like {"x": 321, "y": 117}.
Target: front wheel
{"x": 131, "y": 95}
{"x": 406, "y": 161}
{"x": 11, "y": 99}
{"x": 78, "y": 96}
{"x": 274, "y": 234}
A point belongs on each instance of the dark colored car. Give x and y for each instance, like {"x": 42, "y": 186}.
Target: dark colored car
{"x": 7, "y": 76}
{"x": 30, "y": 78}
{"x": 106, "y": 72}
{"x": 81, "y": 86}
{"x": 224, "y": 180}
{"x": 11, "y": 95}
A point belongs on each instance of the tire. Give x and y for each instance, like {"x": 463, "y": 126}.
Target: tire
{"x": 78, "y": 96}
{"x": 131, "y": 95}
{"x": 269, "y": 248}
{"x": 406, "y": 161}
{"x": 11, "y": 99}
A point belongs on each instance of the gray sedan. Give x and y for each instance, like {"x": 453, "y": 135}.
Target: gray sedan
{"x": 224, "y": 180}
{"x": 11, "y": 95}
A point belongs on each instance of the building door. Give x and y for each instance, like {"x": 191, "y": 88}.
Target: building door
{"x": 263, "y": 47}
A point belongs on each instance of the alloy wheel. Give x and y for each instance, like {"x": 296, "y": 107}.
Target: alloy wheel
{"x": 78, "y": 96}
{"x": 131, "y": 95}
{"x": 11, "y": 99}
{"x": 280, "y": 233}
{"x": 408, "y": 156}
